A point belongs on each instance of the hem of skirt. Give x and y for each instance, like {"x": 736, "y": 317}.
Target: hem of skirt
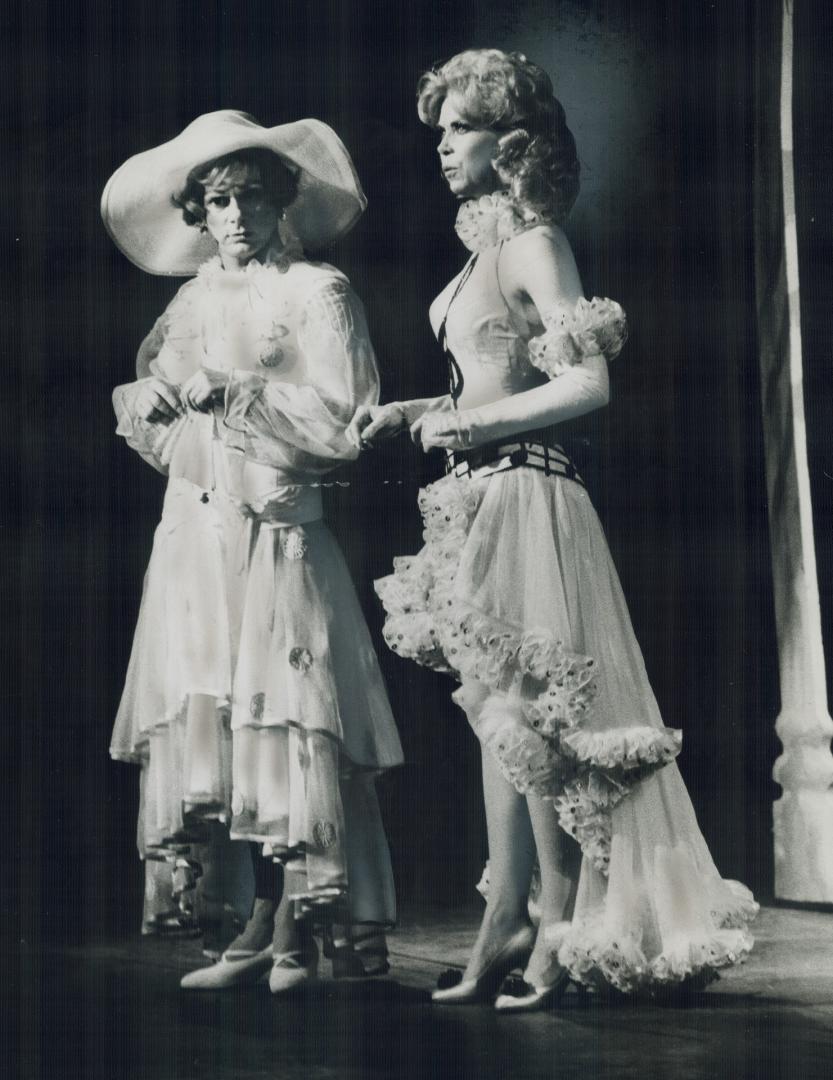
{"x": 294, "y": 725}
{"x": 600, "y": 960}
{"x": 215, "y": 810}
{"x": 256, "y": 838}
{"x": 128, "y": 757}
{"x": 137, "y": 753}
{"x": 539, "y": 742}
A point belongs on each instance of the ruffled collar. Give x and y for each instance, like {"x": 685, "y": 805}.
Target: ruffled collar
{"x": 275, "y": 258}
{"x": 486, "y": 221}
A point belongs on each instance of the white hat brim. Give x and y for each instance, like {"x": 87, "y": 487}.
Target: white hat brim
{"x": 140, "y": 216}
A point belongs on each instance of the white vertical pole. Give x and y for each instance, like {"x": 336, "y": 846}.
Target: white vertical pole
{"x": 803, "y": 815}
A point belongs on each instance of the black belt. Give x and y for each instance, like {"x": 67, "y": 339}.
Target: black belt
{"x": 533, "y": 450}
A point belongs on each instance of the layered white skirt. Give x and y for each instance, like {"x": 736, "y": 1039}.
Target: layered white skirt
{"x": 311, "y": 721}
{"x": 253, "y": 697}
{"x": 516, "y": 595}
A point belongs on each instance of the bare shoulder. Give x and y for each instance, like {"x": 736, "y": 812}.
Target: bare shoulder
{"x": 538, "y": 265}
{"x": 544, "y": 241}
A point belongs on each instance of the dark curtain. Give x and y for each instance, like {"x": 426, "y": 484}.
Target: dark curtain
{"x": 678, "y": 474}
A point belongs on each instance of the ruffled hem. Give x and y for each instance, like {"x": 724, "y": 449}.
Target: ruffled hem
{"x": 738, "y": 909}
{"x": 614, "y": 761}
{"x": 596, "y": 327}
{"x": 595, "y": 957}
{"x": 537, "y": 738}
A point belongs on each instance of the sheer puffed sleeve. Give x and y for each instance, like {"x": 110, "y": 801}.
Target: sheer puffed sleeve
{"x": 301, "y": 428}
{"x": 150, "y": 348}
{"x": 152, "y": 441}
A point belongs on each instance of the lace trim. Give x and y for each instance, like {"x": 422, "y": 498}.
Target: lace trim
{"x": 594, "y": 327}
{"x": 483, "y": 222}
{"x": 531, "y": 762}
{"x": 275, "y": 260}
{"x": 625, "y": 748}
{"x": 740, "y": 911}
{"x": 594, "y": 956}
{"x": 538, "y": 741}
{"x": 267, "y": 311}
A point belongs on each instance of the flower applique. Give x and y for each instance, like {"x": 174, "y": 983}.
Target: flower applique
{"x": 300, "y": 659}
{"x": 324, "y": 834}
{"x": 293, "y": 544}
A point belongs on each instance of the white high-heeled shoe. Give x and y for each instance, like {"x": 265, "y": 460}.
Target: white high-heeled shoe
{"x": 515, "y": 951}
{"x": 237, "y": 969}
{"x": 529, "y": 997}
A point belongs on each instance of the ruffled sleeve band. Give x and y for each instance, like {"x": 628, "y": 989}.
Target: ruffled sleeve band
{"x": 596, "y": 327}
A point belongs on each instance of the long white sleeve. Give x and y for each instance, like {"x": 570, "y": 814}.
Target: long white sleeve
{"x": 153, "y": 441}
{"x": 302, "y": 428}
{"x": 573, "y": 351}
{"x": 578, "y": 391}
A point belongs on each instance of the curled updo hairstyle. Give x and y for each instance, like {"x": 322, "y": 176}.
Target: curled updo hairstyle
{"x": 514, "y": 98}
{"x": 239, "y": 167}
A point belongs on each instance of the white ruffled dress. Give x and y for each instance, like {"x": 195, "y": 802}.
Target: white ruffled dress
{"x": 515, "y": 594}
{"x": 248, "y": 602}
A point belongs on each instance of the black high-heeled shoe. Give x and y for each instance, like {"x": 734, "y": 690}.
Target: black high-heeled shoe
{"x": 467, "y": 991}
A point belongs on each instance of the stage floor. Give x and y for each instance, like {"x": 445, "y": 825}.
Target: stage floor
{"x": 113, "y": 1010}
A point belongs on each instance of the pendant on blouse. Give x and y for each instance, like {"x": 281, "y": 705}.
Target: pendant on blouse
{"x": 269, "y": 353}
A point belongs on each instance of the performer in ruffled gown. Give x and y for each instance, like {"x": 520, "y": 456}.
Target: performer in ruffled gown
{"x": 515, "y": 594}
{"x": 253, "y": 695}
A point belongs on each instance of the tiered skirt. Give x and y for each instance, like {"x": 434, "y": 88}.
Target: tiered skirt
{"x": 254, "y": 698}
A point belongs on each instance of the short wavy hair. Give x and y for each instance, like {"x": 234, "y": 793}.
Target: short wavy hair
{"x": 279, "y": 182}
{"x": 513, "y": 97}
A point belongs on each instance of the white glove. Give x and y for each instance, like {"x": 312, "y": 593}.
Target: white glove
{"x": 577, "y": 391}
{"x": 372, "y": 423}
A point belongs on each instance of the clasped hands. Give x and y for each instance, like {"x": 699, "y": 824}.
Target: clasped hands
{"x": 161, "y": 402}
{"x": 438, "y": 429}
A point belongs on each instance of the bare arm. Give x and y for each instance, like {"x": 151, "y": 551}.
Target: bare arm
{"x": 539, "y": 278}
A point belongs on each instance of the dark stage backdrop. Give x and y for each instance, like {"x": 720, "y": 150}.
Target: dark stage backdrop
{"x": 660, "y": 102}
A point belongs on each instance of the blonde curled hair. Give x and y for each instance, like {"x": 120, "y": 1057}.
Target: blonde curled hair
{"x": 513, "y": 97}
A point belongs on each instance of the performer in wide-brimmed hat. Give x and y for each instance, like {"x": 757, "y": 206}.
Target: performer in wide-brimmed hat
{"x": 253, "y": 694}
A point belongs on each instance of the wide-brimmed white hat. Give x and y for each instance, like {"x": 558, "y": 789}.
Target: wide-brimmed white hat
{"x": 146, "y": 225}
